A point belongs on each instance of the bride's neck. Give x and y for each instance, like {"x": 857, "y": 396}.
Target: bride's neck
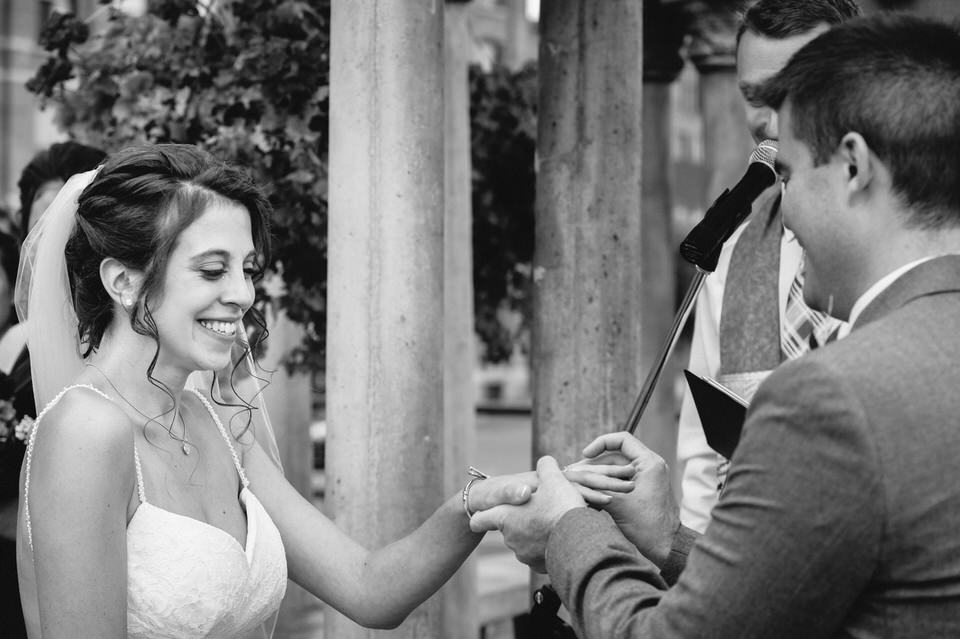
{"x": 124, "y": 363}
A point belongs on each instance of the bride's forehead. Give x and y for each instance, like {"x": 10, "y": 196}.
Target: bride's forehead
{"x": 223, "y": 224}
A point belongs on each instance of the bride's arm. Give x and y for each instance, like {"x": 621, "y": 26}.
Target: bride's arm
{"x": 377, "y": 589}
{"x": 380, "y": 588}
{"x": 81, "y": 482}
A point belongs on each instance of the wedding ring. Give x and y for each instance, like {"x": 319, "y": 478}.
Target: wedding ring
{"x": 465, "y": 496}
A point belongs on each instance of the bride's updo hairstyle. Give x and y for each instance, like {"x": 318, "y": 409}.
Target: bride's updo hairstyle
{"x": 134, "y": 211}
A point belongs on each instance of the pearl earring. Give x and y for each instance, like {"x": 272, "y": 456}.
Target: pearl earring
{"x": 126, "y": 302}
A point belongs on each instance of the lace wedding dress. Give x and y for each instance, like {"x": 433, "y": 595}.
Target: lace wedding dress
{"x": 187, "y": 578}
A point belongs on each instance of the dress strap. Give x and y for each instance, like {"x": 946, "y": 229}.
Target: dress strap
{"x": 141, "y": 493}
{"x": 29, "y": 455}
{"x": 226, "y": 437}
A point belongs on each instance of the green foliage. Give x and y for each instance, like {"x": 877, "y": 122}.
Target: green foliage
{"x": 248, "y": 81}
{"x": 503, "y": 127}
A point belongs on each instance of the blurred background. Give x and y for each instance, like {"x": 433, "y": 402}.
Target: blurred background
{"x": 251, "y": 81}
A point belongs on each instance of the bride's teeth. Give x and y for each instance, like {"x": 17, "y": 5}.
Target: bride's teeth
{"x": 224, "y": 328}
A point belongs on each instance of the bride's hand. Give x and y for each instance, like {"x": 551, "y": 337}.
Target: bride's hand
{"x": 590, "y": 479}
{"x": 501, "y": 489}
{"x": 594, "y": 478}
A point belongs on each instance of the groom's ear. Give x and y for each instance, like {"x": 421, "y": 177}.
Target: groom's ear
{"x": 121, "y": 282}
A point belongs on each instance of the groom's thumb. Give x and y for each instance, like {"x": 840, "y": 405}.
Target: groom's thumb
{"x": 548, "y": 469}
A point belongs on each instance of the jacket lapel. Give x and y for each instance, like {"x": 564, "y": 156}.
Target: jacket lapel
{"x": 939, "y": 275}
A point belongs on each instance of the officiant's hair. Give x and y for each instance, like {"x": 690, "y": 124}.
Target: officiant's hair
{"x": 895, "y": 80}
{"x": 784, "y": 18}
{"x": 134, "y": 211}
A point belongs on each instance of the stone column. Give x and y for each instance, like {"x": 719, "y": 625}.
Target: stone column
{"x": 664, "y": 27}
{"x": 588, "y": 266}
{"x": 460, "y": 618}
{"x": 385, "y": 338}
{"x": 20, "y": 57}
{"x": 713, "y": 49}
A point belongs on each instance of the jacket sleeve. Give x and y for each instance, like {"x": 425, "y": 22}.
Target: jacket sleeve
{"x": 793, "y": 541}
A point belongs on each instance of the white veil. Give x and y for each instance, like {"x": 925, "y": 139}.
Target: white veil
{"x": 42, "y": 295}
{"x": 43, "y": 302}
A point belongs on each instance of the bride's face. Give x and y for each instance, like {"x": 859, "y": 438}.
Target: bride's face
{"x": 207, "y": 288}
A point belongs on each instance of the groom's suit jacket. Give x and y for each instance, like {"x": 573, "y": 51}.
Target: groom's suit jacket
{"x": 841, "y": 514}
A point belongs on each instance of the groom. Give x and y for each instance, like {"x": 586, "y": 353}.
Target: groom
{"x": 841, "y": 510}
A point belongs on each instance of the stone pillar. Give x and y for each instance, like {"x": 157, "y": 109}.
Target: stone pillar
{"x": 664, "y": 27}
{"x": 713, "y": 49}
{"x": 385, "y": 335}
{"x": 517, "y": 41}
{"x": 588, "y": 295}
{"x": 460, "y": 613}
{"x": 20, "y": 57}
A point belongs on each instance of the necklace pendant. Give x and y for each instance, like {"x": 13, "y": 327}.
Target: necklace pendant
{"x": 185, "y": 447}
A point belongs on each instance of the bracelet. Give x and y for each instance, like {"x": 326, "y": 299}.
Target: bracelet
{"x": 475, "y": 476}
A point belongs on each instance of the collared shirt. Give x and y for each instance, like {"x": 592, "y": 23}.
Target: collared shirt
{"x": 874, "y": 291}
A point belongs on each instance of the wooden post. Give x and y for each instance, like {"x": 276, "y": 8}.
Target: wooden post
{"x": 385, "y": 290}
{"x": 588, "y": 265}
{"x": 460, "y": 614}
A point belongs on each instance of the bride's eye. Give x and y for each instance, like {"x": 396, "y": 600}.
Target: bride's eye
{"x": 212, "y": 274}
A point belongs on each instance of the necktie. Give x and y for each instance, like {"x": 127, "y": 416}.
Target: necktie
{"x": 803, "y": 328}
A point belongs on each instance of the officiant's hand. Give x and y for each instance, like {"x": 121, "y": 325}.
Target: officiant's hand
{"x": 648, "y": 516}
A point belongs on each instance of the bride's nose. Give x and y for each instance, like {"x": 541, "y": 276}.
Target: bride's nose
{"x": 237, "y": 289}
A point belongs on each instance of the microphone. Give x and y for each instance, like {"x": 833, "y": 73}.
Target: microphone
{"x": 702, "y": 245}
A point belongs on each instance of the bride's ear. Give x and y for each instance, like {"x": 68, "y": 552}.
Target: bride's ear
{"x": 120, "y": 281}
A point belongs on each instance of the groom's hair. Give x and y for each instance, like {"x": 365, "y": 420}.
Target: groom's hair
{"x": 895, "y": 80}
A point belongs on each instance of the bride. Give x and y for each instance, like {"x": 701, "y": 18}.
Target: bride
{"x": 149, "y": 508}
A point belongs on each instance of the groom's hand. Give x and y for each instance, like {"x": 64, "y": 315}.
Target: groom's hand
{"x": 526, "y": 528}
{"x": 648, "y": 516}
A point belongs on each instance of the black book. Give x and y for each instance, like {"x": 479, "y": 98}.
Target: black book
{"x": 722, "y": 412}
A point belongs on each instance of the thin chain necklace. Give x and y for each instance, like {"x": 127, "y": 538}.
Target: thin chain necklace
{"x": 184, "y": 444}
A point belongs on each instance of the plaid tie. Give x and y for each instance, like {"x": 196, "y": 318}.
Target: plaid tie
{"x": 803, "y": 328}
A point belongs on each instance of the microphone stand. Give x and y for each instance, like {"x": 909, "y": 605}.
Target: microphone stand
{"x": 705, "y": 263}
{"x": 544, "y": 622}
{"x": 702, "y": 249}
{"x": 679, "y": 321}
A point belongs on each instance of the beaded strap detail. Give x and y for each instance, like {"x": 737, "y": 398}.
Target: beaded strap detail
{"x": 29, "y": 456}
{"x": 141, "y": 493}
{"x": 136, "y": 457}
{"x": 226, "y": 437}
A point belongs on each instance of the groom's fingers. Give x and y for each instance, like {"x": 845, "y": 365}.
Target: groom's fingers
{"x": 628, "y": 445}
{"x": 490, "y": 519}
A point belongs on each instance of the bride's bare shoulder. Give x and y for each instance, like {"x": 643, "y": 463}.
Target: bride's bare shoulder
{"x": 82, "y": 417}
